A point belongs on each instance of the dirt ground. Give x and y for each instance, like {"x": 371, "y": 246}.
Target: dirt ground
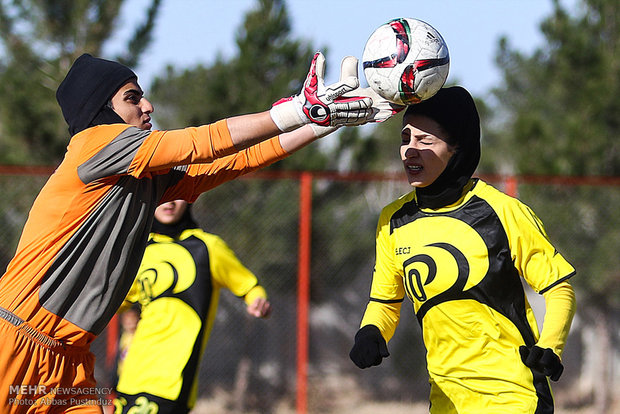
{"x": 215, "y": 407}
{"x": 349, "y": 403}
{"x": 339, "y": 395}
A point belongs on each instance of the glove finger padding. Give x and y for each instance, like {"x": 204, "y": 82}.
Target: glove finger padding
{"x": 348, "y": 68}
{"x": 382, "y": 109}
{"x": 369, "y": 348}
{"x": 348, "y": 74}
{"x": 317, "y": 69}
{"x": 323, "y": 105}
{"x": 320, "y": 104}
{"x": 544, "y": 361}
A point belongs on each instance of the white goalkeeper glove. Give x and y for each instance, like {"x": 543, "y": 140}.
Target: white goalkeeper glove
{"x": 382, "y": 109}
{"x": 324, "y": 105}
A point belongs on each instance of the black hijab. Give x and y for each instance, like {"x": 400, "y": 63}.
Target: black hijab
{"x": 454, "y": 109}
{"x": 175, "y": 229}
{"x": 86, "y": 90}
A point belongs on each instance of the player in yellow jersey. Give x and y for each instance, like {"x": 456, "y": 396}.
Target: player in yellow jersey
{"x": 85, "y": 235}
{"x": 177, "y": 287}
{"x": 458, "y": 249}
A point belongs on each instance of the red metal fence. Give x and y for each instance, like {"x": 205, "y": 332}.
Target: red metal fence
{"x": 296, "y": 231}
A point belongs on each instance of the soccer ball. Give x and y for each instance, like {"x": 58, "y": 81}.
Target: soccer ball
{"x": 406, "y": 61}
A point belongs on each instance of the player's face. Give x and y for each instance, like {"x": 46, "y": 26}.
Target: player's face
{"x": 424, "y": 149}
{"x": 171, "y": 212}
{"x": 131, "y": 105}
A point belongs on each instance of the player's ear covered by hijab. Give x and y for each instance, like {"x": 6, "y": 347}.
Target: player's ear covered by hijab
{"x": 454, "y": 109}
{"x": 88, "y": 87}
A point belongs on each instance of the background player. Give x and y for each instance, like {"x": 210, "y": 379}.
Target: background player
{"x": 178, "y": 287}
{"x": 458, "y": 248}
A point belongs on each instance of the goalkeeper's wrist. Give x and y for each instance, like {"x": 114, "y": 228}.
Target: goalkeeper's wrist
{"x": 288, "y": 115}
{"x": 321, "y": 131}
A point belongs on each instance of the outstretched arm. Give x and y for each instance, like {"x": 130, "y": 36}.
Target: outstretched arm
{"x": 248, "y": 130}
{"x": 321, "y": 108}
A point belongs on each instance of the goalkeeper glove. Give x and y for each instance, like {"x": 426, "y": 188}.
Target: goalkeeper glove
{"x": 382, "y": 109}
{"x": 544, "y": 361}
{"x": 323, "y": 105}
{"x": 369, "y": 348}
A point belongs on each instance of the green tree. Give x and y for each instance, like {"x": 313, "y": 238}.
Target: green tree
{"x": 268, "y": 65}
{"x": 39, "y": 39}
{"x": 563, "y": 99}
{"x": 559, "y": 115}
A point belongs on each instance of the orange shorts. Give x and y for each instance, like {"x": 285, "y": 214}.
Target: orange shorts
{"x": 41, "y": 375}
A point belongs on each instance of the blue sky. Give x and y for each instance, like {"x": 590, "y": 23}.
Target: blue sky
{"x": 189, "y": 32}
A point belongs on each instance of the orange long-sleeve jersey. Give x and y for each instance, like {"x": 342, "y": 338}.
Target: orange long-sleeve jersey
{"x": 86, "y": 232}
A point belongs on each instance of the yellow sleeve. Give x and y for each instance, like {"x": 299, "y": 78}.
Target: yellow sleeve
{"x": 536, "y": 259}
{"x": 255, "y": 293}
{"x": 560, "y": 306}
{"x": 384, "y": 316}
{"x": 386, "y": 292}
{"x": 228, "y": 272}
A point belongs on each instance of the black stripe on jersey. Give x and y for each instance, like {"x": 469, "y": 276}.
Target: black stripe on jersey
{"x": 557, "y": 282}
{"x": 405, "y": 215}
{"x": 198, "y": 296}
{"x": 387, "y": 300}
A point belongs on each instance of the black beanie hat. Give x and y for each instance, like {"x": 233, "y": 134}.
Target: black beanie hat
{"x": 86, "y": 90}
{"x": 454, "y": 109}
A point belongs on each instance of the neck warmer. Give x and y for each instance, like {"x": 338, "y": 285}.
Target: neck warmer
{"x": 175, "y": 229}
{"x": 86, "y": 90}
{"x": 454, "y": 109}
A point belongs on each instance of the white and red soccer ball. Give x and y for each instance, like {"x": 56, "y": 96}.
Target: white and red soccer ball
{"x": 406, "y": 61}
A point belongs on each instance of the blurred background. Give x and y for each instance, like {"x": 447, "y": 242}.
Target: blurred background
{"x": 548, "y": 92}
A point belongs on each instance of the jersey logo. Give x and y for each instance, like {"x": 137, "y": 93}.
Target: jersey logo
{"x": 447, "y": 258}
{"x": 158, "y": 277}
{"x": 415, "y": 280}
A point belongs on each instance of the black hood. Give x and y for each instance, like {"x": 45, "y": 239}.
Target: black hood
{"x": 84, "y": 93}
{"x": 454, "y": 109}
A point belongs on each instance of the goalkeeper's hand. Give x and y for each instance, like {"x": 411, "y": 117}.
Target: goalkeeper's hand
{"x": 369, "y": 348}
{"x": 324, "y": 105}
{"x": 382, "y": 109}
{"x": 544, "y": 361}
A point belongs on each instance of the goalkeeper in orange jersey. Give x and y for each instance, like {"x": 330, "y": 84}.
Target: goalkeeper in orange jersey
{"x": 86, "y": 232}
{"x": 459, "y": 248}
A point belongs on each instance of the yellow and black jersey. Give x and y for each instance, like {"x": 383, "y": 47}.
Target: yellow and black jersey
{"x": 461, "y": 266}
{"x": 178, "y": 288}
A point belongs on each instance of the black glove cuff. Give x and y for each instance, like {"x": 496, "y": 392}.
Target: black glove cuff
{"x": 368, "y": 331}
